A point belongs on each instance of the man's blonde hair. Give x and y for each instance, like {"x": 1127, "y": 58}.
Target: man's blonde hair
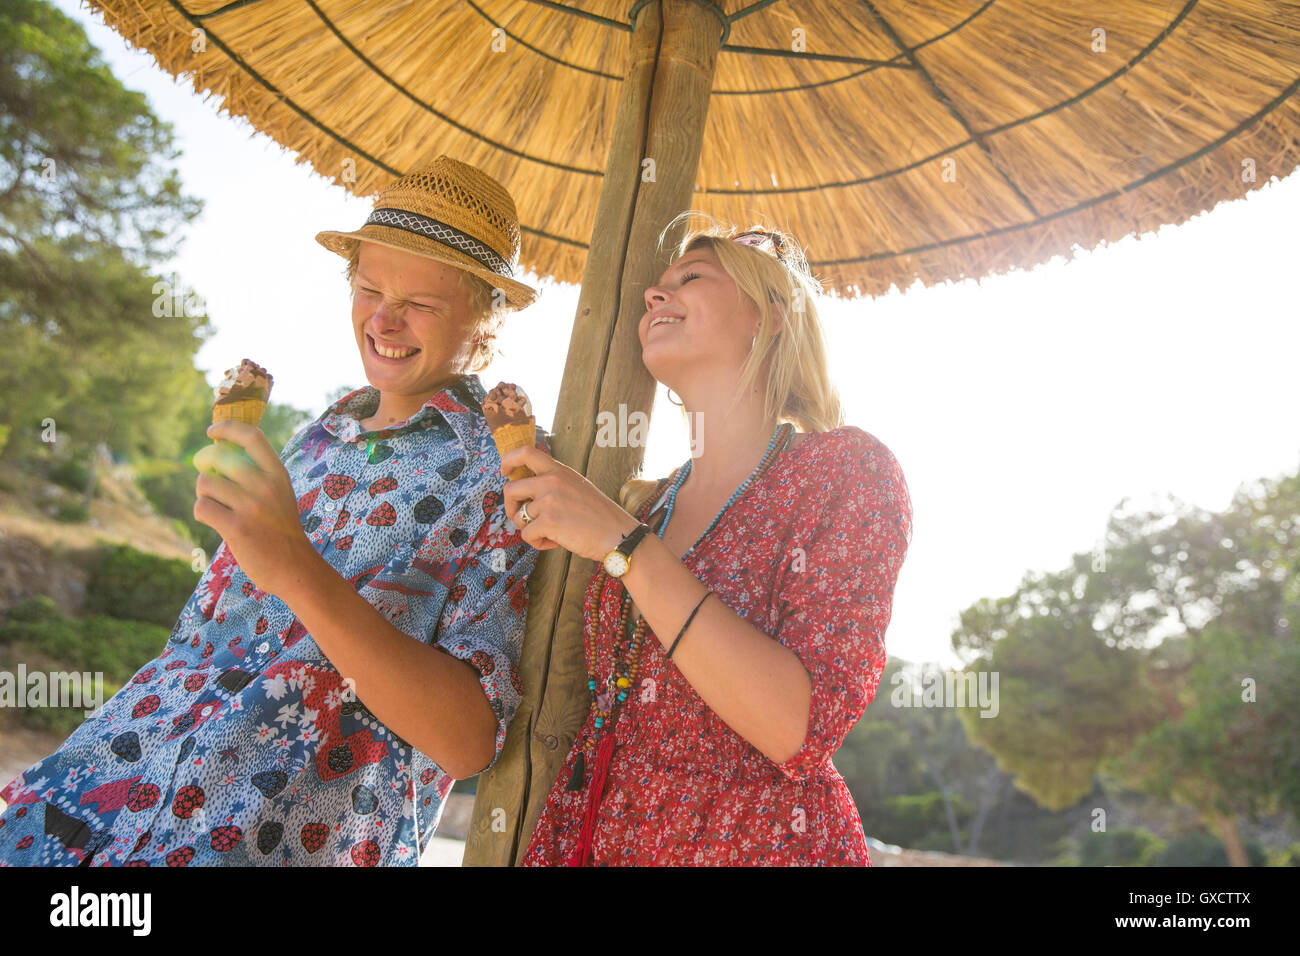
{"x": 488, "y": 311}
{"x": 797, "y": 386}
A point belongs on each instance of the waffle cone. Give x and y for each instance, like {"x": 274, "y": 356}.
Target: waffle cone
{"x": 248, "y": 411}
{"x": 512, "y": 436}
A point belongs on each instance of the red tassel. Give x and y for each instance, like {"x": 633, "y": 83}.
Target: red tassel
{"x": 599, "y": 773}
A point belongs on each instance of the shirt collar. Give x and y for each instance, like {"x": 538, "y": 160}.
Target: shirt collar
{"x": 460, "y": 405}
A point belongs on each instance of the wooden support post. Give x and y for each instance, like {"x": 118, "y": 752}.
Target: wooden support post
{"x": 661, "y": 113}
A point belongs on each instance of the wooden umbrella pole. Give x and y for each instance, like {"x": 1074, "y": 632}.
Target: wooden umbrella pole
{"x": 661, "y": 113}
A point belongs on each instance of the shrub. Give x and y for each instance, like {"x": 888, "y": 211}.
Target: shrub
{"x": 1285, "y": 856}
{"x": 70, "y": 473}
{"x": 135, "y": 586}
{"x": 40, "y": 608}
{"x": 1205, "y": 849}
{"x": 98, "y": 643}
{"x": 57, "y": 720}
{"x": 1127, "y": 847}
{"x": 1062, "y": 852}
{"x": 72, "y": 512}
{"x": 911, "y": 819}
{"x": 40, "y": 636}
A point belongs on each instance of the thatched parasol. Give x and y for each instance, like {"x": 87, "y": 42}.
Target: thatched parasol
{"x": 899, "y": 141}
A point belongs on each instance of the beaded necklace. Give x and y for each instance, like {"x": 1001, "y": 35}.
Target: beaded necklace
{"x": 608, "y": 705}
{"x": 623, "y": 675}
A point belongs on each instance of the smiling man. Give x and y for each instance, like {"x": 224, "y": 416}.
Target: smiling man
{"x": 352, "y": 649}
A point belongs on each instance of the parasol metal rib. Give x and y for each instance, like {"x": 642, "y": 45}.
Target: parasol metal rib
{"x": 803, "y": 87}
{"x": 950, "y": 107}
{"x": 277, "y": 92}
{"x": 1106, "y": 81}
{"x": 988, "y": 133}
{"x": 538, "y": 50}
{"x": 892, "y": 64}
{"x": 1088, "y": 203}
{"x": 228, "y": 8}
{"x": 752, "y": 8}
{"x": 339, "y": 137}
{"x": 461, "y": 127}
{"x": 586, "y": 15}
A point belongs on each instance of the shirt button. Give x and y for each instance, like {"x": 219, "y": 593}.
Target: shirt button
{"x": 329, "y": 506}
{"x": 263, "y": 647}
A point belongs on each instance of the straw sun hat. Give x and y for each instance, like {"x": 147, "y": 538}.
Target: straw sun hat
{"x": 452, "y": 213}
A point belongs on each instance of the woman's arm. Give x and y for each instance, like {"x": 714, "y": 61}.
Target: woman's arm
{"x": 793, "y": 695}
{"x": 757, "y": 686}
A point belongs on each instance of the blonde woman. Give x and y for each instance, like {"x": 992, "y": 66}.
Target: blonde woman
{"x": 735, "y": 628}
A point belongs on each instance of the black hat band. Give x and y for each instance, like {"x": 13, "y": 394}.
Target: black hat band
{"x": 440, "y": 232}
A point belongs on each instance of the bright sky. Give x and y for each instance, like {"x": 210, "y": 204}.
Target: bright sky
{"x": 1022, "y": 408}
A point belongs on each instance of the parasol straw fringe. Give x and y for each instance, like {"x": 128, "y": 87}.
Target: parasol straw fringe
{"x": 1010, "y": 100}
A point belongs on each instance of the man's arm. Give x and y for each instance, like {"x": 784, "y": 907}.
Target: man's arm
{"x": 425, "y": 696}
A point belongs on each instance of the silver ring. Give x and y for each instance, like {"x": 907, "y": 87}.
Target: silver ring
{"x": 524, "y": 516}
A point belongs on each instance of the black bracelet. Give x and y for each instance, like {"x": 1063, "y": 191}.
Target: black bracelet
{"x": 686, "y": 625}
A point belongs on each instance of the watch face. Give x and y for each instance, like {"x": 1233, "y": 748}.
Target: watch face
{"x": 615, "y": 564}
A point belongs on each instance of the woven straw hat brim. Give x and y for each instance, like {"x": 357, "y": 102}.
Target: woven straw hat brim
{"x": 518, "y": 295}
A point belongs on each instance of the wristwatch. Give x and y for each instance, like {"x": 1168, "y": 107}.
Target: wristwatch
{"x": 620, "y": 559}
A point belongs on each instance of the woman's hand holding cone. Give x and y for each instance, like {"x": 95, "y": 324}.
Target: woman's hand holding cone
{"x": 567, "y": 510}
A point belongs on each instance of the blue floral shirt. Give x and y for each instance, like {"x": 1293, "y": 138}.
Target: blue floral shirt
{"x": 240, "y": 744}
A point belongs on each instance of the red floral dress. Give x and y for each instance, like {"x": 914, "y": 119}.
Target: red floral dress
{"x": 809, "y": 555}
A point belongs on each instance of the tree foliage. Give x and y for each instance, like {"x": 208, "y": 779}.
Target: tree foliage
{"x": 89, "y": 206}
{"x": 1169, "y": 662}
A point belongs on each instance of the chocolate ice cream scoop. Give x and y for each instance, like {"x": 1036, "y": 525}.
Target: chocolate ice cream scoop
{"x": 247, "y": 382}
{"x": 509, "y": 414}
{"x": 507, "y": 405}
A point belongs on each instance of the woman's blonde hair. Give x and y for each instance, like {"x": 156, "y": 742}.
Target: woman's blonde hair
{"x": 798, "y": 386}
{"x": 488, "y": 315}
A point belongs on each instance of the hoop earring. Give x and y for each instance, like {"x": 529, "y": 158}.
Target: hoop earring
{"x": 670, "y": 398}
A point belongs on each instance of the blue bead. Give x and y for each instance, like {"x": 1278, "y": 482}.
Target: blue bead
{"x": 744, "y": 486}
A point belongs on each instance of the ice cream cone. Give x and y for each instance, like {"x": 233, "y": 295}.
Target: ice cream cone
{"x": 510, "y": 416}
{"x": 243, "y": 394}
{"x": 512, "y": 436}
{"x": 248, "y": 411}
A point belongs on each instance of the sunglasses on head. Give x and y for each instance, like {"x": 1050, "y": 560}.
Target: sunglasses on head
{"x": 758, "y": 238}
